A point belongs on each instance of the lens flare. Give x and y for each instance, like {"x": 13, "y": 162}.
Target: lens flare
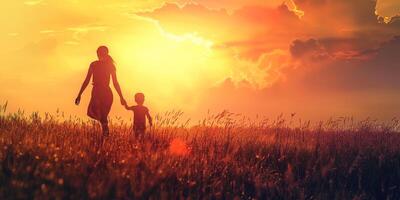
{"x": 179, "y": 147}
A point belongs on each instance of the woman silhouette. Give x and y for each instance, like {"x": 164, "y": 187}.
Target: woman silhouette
{"x": 102, "y": 97}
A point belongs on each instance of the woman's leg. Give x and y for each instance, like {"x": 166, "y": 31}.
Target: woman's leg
{"x": 104, "y": 126}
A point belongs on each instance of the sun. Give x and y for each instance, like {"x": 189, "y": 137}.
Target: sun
{"x": 169, "y": 66}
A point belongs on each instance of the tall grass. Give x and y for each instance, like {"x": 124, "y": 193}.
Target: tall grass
{"x": 225, "y": 156}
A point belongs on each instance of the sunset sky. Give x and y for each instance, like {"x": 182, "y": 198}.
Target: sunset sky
{"x": 317, "y": 58}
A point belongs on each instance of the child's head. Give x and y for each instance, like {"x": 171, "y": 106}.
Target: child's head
{"x": 139, "y": 98}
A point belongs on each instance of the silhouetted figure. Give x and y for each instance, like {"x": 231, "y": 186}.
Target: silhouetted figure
{"x": 140, "y": 113}
{"x": 102, "y": 97}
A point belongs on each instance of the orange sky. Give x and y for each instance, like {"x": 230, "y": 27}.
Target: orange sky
{"x": 318, "y": 58}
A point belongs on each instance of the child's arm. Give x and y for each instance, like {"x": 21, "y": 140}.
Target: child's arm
{"x": 128, "y": 107}
{"x": 149, "y": 118}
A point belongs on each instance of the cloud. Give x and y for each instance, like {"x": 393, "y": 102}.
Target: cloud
{"x": 263, "y": 29}
{"x": 352, "y": 32}
{"x": 388, "y": 10}
{"x": 332, "y": 48}
{"x": 308, "y": 48}
{"x": 191, "y": 18}
{"x": 264, "y": 26}
{"x": 198, "y": 18}
{"x": 232, "y": 5}
{"x": 359, "y": 70}
{"x": 261, "y": 73}
{"x": 320, "y": 89}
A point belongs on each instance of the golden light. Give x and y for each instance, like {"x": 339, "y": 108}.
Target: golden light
{"x": 170, "y": 68}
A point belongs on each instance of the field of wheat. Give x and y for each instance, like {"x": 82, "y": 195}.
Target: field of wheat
{"x": 225, "y": 156}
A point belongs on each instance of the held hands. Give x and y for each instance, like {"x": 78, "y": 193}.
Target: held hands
{"x": 78, "y": 100}
{"x": 123, "y": 102}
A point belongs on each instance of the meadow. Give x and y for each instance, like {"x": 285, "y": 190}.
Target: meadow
{"x": 224, "y": 156}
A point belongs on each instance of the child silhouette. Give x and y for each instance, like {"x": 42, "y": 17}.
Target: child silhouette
{"x": 140, "y": 113}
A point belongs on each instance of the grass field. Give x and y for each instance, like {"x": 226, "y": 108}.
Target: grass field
{"x": 223, "y": 157}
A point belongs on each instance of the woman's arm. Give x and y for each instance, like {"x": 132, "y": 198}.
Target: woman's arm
{"x": 84, "y": 85}
{"x": 117, "y": 87}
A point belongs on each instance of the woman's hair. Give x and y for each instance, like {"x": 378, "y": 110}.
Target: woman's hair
{"x": 102, "y": 53}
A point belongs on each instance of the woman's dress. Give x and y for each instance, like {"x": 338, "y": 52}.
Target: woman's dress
{"x": 102, "y": 97}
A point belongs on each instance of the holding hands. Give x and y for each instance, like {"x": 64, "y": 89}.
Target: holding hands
{"x": 123, "y": 101}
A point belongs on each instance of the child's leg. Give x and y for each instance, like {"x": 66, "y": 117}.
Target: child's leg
{"x": 132, "y": 140}
{"x": 139, "y": 133}
{"x": 136, "y": 133}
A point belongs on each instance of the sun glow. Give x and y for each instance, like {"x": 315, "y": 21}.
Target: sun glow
{"x": 165, "y": 65}
{"x": 204, "y": 55}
